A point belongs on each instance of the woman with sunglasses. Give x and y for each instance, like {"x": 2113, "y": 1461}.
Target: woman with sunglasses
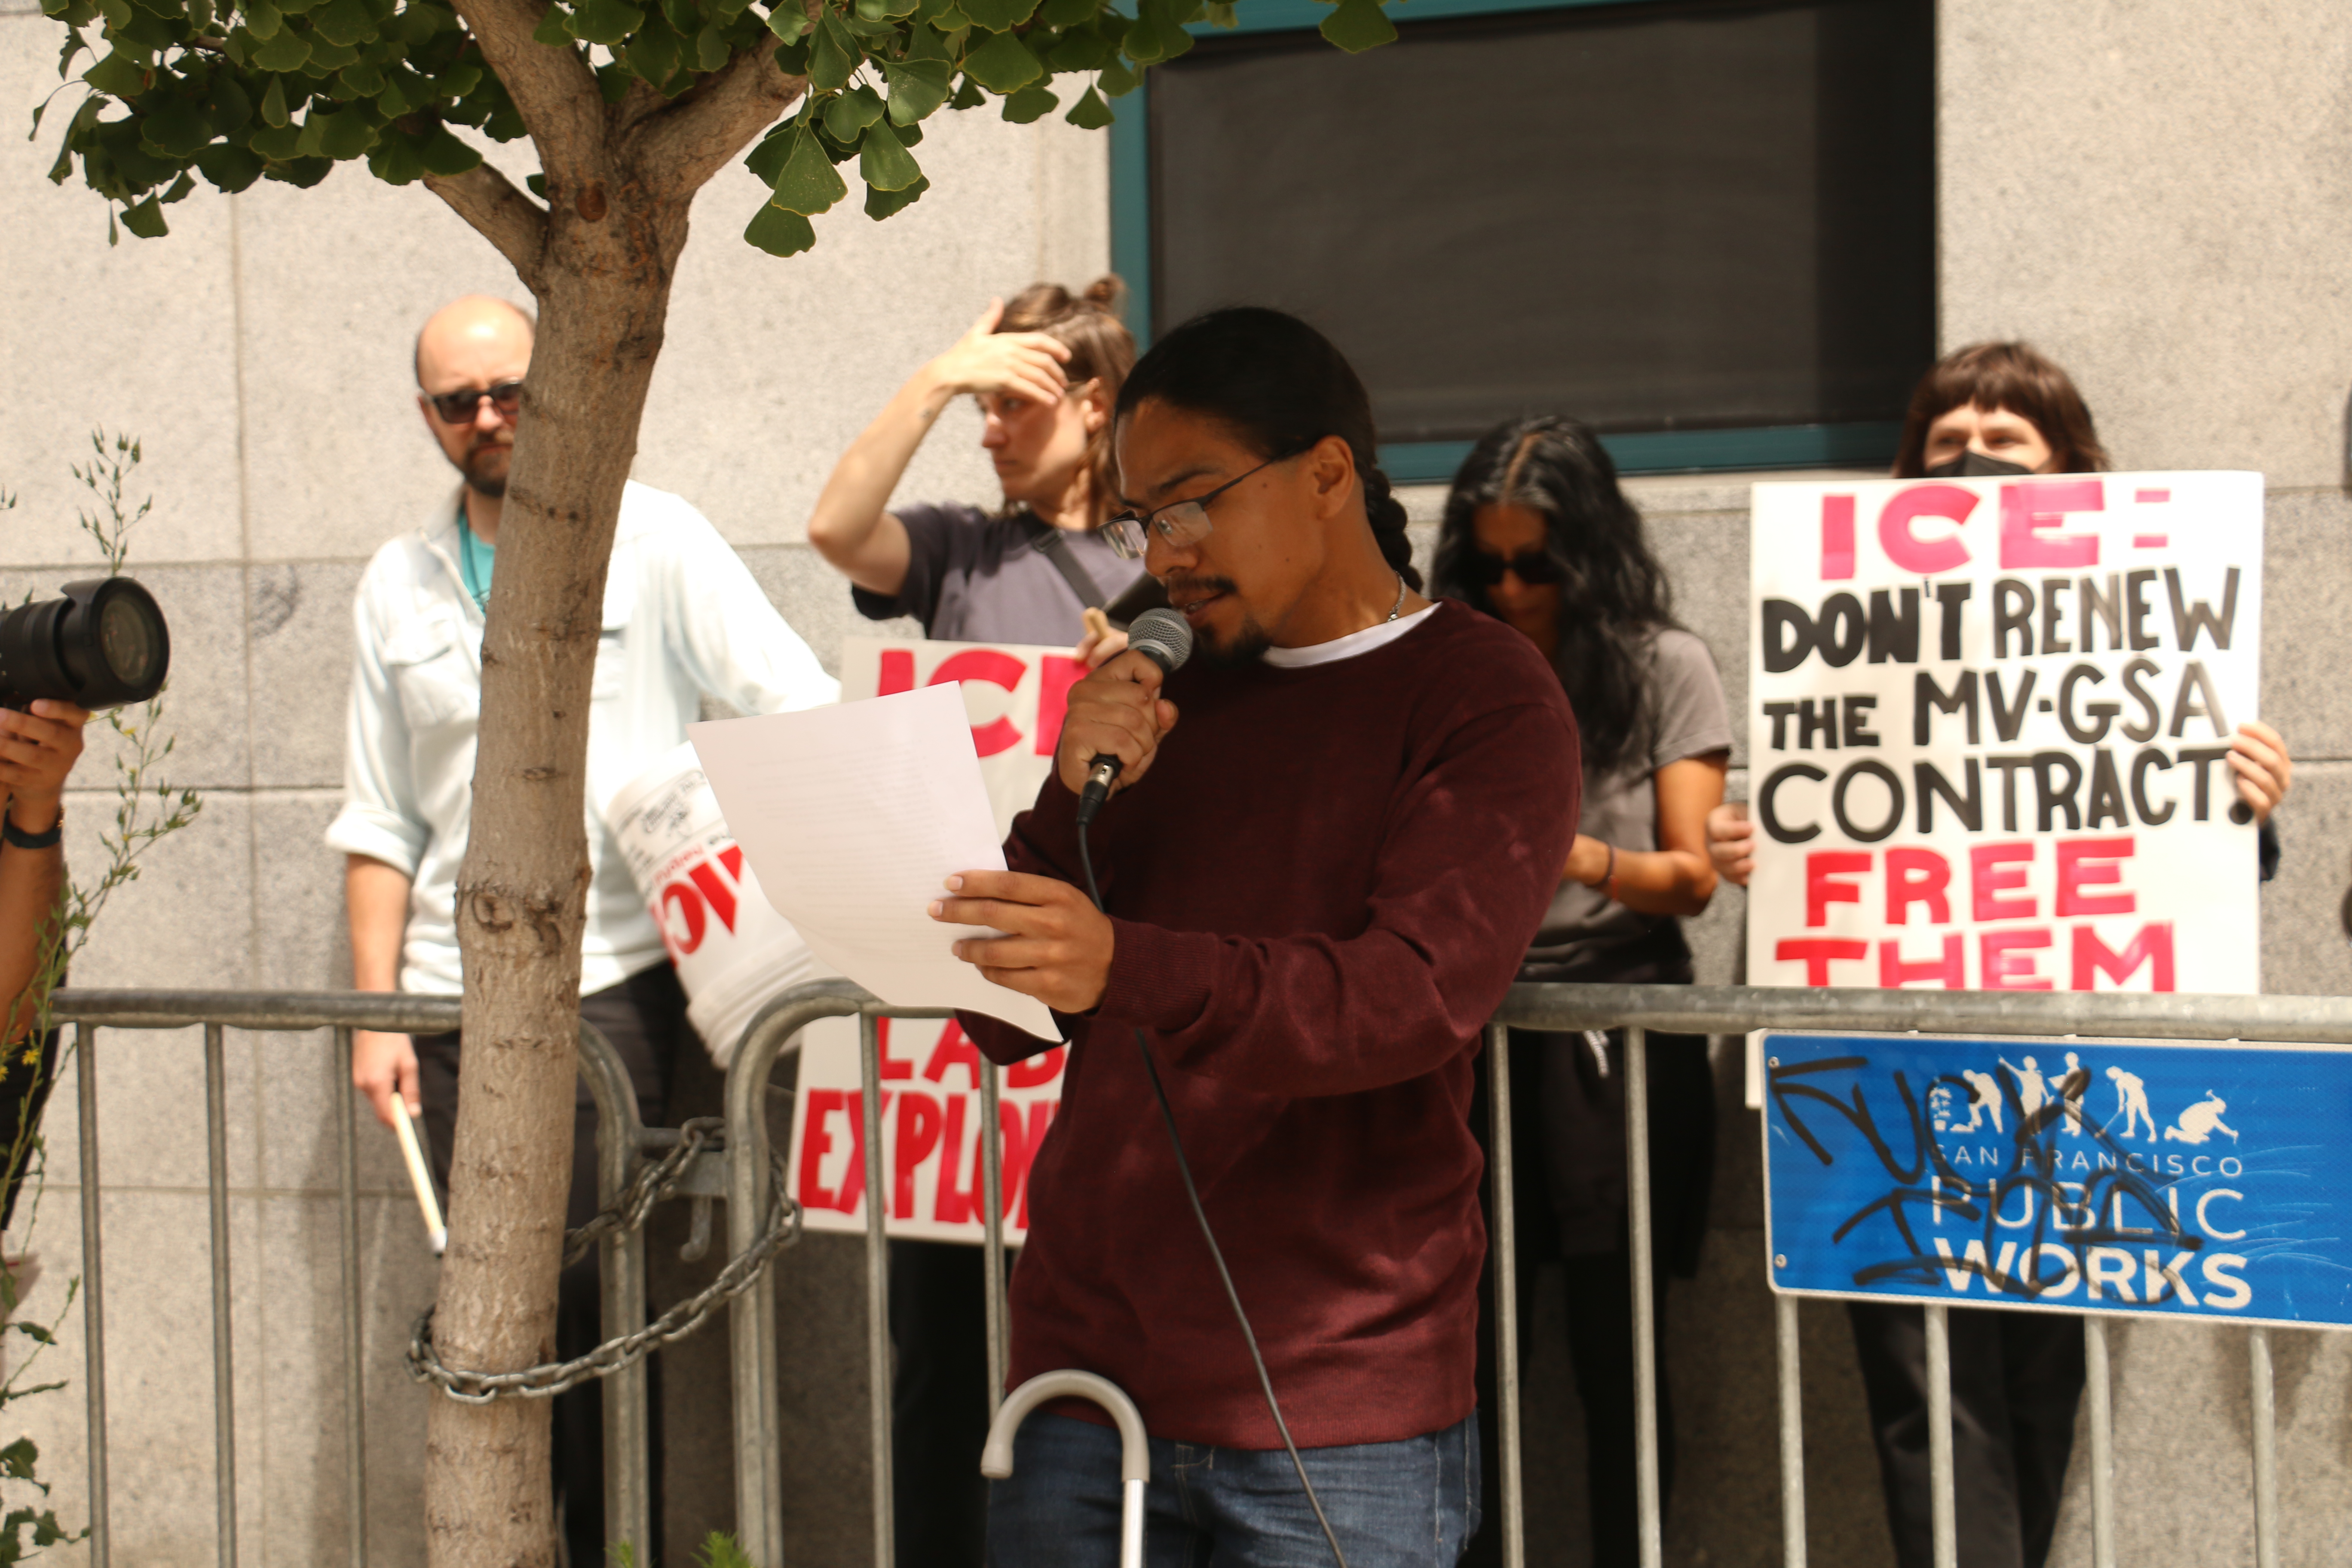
{"x": 1537, "y": 534}
{"x": 1045, "y": 370}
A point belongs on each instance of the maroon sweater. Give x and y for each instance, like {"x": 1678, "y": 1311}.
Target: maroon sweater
{"x": 1318, "y": 894}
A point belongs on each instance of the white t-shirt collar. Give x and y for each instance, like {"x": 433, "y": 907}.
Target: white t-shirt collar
{"x": 1349, "y": 646}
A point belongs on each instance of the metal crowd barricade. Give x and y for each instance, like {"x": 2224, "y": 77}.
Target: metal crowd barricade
{"x": 621, "y": 1142}
{"x": 1638, "y": 1009}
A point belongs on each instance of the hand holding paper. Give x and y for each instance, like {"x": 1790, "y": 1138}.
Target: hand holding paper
{"x": 854, "y": 817}
{"x": 1057, "y": 946}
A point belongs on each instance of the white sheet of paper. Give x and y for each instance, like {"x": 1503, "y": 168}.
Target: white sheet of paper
{"x": 854, "y": 817}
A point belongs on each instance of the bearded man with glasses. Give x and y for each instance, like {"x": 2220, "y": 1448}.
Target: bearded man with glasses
{"x": 683, "y": 619}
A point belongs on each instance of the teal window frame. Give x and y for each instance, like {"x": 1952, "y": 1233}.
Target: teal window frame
{"x": 1844, "y": 446}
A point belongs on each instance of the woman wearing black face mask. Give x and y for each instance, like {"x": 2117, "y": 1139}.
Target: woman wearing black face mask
{"x": 1537, "y": 534}
{"x": 1984, "y": 411}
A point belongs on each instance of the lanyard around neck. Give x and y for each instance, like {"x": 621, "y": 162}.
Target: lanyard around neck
{"x": 481, "y": 591}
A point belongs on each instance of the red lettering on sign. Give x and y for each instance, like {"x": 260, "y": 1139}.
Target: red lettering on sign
{"x": 721, "y": 898}
{"x": 1837, "y": 537}
{"x": 1917, "y": 877}
{"x": 953, "y": 1050}
{"x": 1036, "y": 1072}
{"x": 1894, "y": 971}
{"x": 1055, "y": 676}
{"x": 686, "y": 904}
{"x": 853, "y": 1182}
{"x": 2030, "y": 510}
{"x": 816, "y": 1142}
{"x": 1906, "y": 548}
{"x": 1817, "y": 953}
{"x": 2152, "y": 946}
{"x": 918, "y": 1134}
{"x": 891, "y": 1066}
{"x": 2091, "y": 863}
{"x": 1822, "y": 890}
{"x": 955, "y": 1201}
{"x": 732, "y": 858}
{"x": 897, "y": 672}
{"x": 2005, "y": 958}
{"x": 1995, "y": 869}
{"x": 994, "y": 669}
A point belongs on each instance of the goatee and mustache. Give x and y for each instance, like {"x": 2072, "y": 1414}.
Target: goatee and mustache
{"x": 485, "y": 467}
{"x": 1248, "y": 642}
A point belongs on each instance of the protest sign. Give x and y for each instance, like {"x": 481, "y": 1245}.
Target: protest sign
{"x": 1014, "y": 696}
{"x": 2136, "y": 1176}
{"x": 1989, "y": 727}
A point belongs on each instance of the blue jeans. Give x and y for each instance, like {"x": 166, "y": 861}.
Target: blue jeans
{"x": 1410, "y": 1504}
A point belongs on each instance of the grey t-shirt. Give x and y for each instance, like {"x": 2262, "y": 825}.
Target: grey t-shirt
{"x": 973, "y": 577}
{"x": 1684, "y": 716}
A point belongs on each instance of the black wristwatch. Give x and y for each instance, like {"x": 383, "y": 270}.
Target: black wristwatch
{"x": 24, "y": 840}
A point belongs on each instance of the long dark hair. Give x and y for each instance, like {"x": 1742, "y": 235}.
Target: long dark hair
{"x": 1613, "y": 594}
{"x": 1279, "y": 387}
{"x": 2015, "y": 376}
{"x": 1088, "y": 324}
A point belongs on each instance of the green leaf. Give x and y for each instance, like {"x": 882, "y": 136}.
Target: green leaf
{"x": 885, "y": 10}
{"x": 289, "y": 51}
{"x": 278, "y": 144}
{"x": 348, "y": 135}
{"x": 343, "y": 22}
{"x": 808, "y": 183}
{"x": 179, "y": 192}
{"x": 327, "y": 57}
{"x": 444, "y": 153}
{"x": 833, "y": 55}
{"x": 781, "y": 232}
{"x": 606, "y": 22}
{"x": 766, "y": 161}
{"x": 1090, "y": 112}
{"x": 788, "y": 21}
{"x": 230, "y": 169}
{"x": 883, "y": 162}
{"x": 146, "y": 220}
{"x": 117, "y": 77}
{"x": 176, "y": 129}
{"x": 792, "y": 59}
{"x": 1220, "y": 15}
{"x": 848, "y": 114}
{"x": 1067, "y": 13}
{"x": 1356, "y": 26}
{"x": 997, "y": 15}
{"x": 880, "y": 204}
{"x": 1003, "y": 64}
{"x": 654, "y": 53}
{"x": 1030, "y": 103}
{"x": 916, "y": 88}
{"x": 1117, "y": 80}
{"x": 710, "y": 48}
{"x": 554, "y": 30}
{"x": 302, "y": 173}
{"x": 1083, "y": 50}
{"x": 360, "y": 79}
{"x": 273, "y": 102}
{"x": 227, "y": 103}
{"x": 968, "y": 96}
{"x": 262, "y": 20}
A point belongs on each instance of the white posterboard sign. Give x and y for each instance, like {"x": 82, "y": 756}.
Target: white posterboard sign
{"x": 1987, "y": 733}
{"x": 1014, "y": 696}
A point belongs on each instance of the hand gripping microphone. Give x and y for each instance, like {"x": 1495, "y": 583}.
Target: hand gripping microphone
{"x": 1165, "y": 638}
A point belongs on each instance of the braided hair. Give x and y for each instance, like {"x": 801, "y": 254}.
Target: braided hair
{"x": 1279, "y": 387}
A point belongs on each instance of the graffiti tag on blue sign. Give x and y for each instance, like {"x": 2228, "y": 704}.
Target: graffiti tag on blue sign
{"x": 2133, "y": 1176}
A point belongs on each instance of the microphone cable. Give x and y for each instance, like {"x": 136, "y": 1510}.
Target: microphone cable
{"x": 1216, "y": 1253}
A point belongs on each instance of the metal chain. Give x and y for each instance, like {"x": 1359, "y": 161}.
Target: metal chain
{"x": 651, "y": 1186}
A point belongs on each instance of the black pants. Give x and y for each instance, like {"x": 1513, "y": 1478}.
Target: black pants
{"x": 939, "y": 1402}
{"x": 28, "y": 1071}
{"x": 2016, "y": 1380}
{"x": 1599, "y": 1284}
{"x": 645, "y": 1018}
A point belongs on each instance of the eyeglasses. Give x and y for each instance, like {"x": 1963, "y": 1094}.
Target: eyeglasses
{"x": 1180, "y": 523}
{"x": 1532, "y": 567}
{"x": 457, "y": 407}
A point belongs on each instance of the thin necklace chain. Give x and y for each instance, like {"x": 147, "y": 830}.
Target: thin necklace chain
{"x": 1396, "y": 608}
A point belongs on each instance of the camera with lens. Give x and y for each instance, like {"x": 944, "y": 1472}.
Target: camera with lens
{"x": 101, "y": 643}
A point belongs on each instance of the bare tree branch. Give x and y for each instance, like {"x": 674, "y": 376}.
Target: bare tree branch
{"x": 504, "y": 215}
{"x": 682, "y": 145}
{"x": 554, "y": 88}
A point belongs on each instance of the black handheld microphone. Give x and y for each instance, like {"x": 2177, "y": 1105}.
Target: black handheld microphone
{"x": 1165, "y": 638}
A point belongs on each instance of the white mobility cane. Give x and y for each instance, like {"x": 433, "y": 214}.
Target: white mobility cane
{"x": 418, "y": 1176}
{"x": 1135, "y": 1451}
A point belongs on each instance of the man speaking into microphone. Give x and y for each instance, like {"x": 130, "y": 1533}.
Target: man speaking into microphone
{"x": 1317, "y": 887}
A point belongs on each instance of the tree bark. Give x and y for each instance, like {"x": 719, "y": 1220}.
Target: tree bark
{"x": 599, "y": 257}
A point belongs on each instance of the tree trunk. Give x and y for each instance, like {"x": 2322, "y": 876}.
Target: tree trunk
{"x": 603, "y": 292}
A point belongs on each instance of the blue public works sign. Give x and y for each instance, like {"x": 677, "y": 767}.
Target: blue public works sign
{"x": 2138, "y": 1176}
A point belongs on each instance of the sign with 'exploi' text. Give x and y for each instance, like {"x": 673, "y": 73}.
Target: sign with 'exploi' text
{"x": 1988, "y": 729}
{"x": 2079, "y": 1174}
